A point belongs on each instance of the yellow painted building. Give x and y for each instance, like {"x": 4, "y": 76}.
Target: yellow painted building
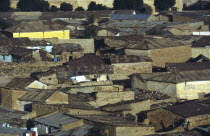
{"x": 38, "y": 29}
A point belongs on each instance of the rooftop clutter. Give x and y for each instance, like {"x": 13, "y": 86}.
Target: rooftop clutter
{"x": 120, "y": 74}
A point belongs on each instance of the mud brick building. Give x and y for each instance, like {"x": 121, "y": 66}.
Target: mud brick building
{"x": 125, "y": 66}
{"x": 161, "y": 50}
{"x": 183, "y": 84}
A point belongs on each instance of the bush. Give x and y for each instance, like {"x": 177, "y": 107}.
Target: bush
{"x": 93, "y": 6}
{"x": 53, "y": 8}
{"x": 164, "y": 4}
{"x": 79, "y": 9}
{"x": 66, "y": 7}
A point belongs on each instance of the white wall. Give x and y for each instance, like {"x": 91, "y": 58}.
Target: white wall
{"x": 193, "y": 89}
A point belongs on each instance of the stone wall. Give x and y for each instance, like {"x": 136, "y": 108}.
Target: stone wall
{"x": 123, "y": 70}
{"x": 104, "y": 98}
{"x": 22, "y": 70}
{"x": 134, "y": 131}
{"x": 177, "y": 54}
{"x": 42, "y": 109}
{"x": 9, "y": 98}
{"x": 101, "y": 88}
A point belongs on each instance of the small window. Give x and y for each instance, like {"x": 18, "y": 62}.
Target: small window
{"x": 50, "y": 78}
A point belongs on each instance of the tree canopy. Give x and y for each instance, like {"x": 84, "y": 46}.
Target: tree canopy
{"x": 94, "y": 6}
{"x": 66, "y": 7}
{"x": 5, "y": 5}
{"x": 164, "y": 4}
{"x": 90, "y": 29}
{"x": 79, "y": 9}
{"x": 128, "y": 4}
{"x": 53, "y": 8}
{"x": 33, "y": 5}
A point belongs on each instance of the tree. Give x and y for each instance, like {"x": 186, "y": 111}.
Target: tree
{"x": 79, "y": 9}
{"x": 101, "y": 7}
{"x": 53, "y": 8}
{"x": 5, "y": 5}
{"x": 164, "y": 4}
{"x": 124, "y": 4}
{"x": 44, "y": 6}
{"x": 66, "y": 7}
{"x": 90, "y": 29}
{"x": 33, "y": 5}
{"x": 93, "y": 6}
{"x": 139, "y": 5}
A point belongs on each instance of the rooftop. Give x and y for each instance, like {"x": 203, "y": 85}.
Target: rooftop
{"x": 110, "y": 120}
{"x": 19, "y": 83}
{"x": 36, "y": 95}
{"x": 149, "y": 44}
{"x": 9, "y": 114}
{"x": 130, "y": 17}
{"x": 178, "y": 77}
{"x": 35, "y": 26}
{"x": 189, "y": 109}
{"x": 187, "y": 66}
{"x": 17, "y": 131}
{"x": 55, "y": 119}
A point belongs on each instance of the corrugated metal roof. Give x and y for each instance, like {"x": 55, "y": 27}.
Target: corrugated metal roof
{"x": 19, "y": 83}
{"x": 17, "y": 131}
{"x": 36, "y": 95}
{"x": 8, "y": 114}
{"x": 56, "y": 119}
{"x": 184, "y": 76}
{"x": 153, "y": 43}
{"x": 35, "y": 26}
{"x": 130, "y": 17}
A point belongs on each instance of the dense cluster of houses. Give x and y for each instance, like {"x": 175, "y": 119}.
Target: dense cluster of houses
{"x": 140, "y": 75}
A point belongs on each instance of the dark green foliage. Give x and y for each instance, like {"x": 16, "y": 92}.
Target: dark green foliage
{"x": 44, "y": 6}
{"x": 91, "y": 19}
{"x": 4, "y": 24}
{"x": 33, "y": 5}
{"x": 66, "y": 7}
{"x": 128, "y": 4}
{"x": 139, "y": 5}
{"x": 79, "y": 9}
{"x": 90, "y": 29}
{"x": 4, "y": 5}
{"x": 123, "y": 4}
{"x": 53, "y": 8}
{"x": 164, "y": 4}
{"x": 93, "y": 6}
